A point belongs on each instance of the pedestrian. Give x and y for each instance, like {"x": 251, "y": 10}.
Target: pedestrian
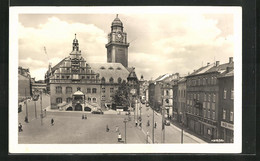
{"x": 107, "y": 129}
{"x": 135, "y": 123}
{"x": 147, "y": 136}
{"x": 52, "y": 122}
{"x": 119, "y": 138}
{"x": 20, "y": 127}
{"x": 85, "y": 117}
{"x": 155, "y": 124}
{"x": 26, "y": 119}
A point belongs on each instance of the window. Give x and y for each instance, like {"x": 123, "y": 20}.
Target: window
{"x": 213, "y": 115}
{"x": 59, "y": 89}
{"x": 231, "y": 116}
{"x": 204, "y": 113}
{"x": 94, "y": 100}
{"x": 119, "y": 80}
{"x": 225, "y": 94}
{"x": 103, "y": 97}
{"x": 184, "y": 93}
{"x": 206, "y": 81}
{"x": 103, "y": 89}
{"x": 167, "y": 92}
{"x": 83, "y": 77}
{"x": 215, "y": 80}
{"x": 78, "y": 89}
{"x": 232, "y": 94}
{"x": 199, "y": 81}
{"x": 94, "y": 90}
{"x": 88, "y": 90}
{"x": 111, "y": 80}
{"x": 68, "y": 100}
{"x": 103, "y": 80}
{"x": 208, "y": 113}
{"x": 212, "y": 80}
{"x": 68, "y": 90}
{"x": 111, "y": 90}
{"x": 194, "y": 96}
{"x": 68, "y": 77}
{"x": 89, "y": 99}
{"x": 213, "y": 106}
{"x": 59, "y": 100}
{"x": 204, "y": 105}
{"x": 208, "y": 105}
{"x": 209, "y": 131}
{"x": 214, "y": 98}
{"x": 62, "y": 77}
{"x": 205, "y": 97}
{"x": 224, "y": 114}
{"x": 209, "y": 97}
{"x": 198, "y": 96}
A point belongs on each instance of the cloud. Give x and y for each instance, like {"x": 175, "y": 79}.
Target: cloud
{"x": 159, "y": 43}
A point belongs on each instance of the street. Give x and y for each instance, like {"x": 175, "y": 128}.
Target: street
{"x": 172, "y": 133}
{"x": 70, "y": 128}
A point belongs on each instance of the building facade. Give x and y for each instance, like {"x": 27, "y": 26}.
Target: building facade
{"x": 74, "y": 77}
{"x": 24, "y": 83}
{"x": 203, "y": 100}
{"x": 181, "y": 100}
{"x": 226, "y": 105}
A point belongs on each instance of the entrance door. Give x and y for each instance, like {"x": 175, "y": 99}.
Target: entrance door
{"x": 78, "y": 107}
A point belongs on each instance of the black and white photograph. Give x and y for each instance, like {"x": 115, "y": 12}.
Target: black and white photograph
{"x": 125, "y": 80}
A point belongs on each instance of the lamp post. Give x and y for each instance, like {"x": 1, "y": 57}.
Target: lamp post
{"x": 181, "y": 128}
{"x": 41, "y": 108}
{"x": 153, "y": 125}
{"x": 125, "y": 121}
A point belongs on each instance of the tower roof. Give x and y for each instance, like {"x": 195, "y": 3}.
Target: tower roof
{"x": 75, "y": 40}
{"x": 117, "y": 22}
{"x": 132, "y": 74}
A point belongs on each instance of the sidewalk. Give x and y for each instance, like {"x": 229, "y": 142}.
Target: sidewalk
{"x": 186, "y": 131}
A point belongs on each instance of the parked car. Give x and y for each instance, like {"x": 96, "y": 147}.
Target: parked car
{"x": 99, "y": 111}
{"x": 167, "y": 122}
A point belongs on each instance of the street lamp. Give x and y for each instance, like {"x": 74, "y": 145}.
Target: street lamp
{"x": 125, "y": 121}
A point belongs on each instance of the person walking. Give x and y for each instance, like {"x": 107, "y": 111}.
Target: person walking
{"x": 26, "y": 119}
{"x": 85, "y": 117}
{"x": 155, "y": 124}
{"x": 52, "y": 122}
{"x": 20, "y": 127}
{"x": 107, "y": 129}
{"x": 147, "y": 137}
{"x": 135, "y": 123}
{"x": 119, "y": 137}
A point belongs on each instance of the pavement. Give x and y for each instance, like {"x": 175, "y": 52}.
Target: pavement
{"x": 70, "y": 128}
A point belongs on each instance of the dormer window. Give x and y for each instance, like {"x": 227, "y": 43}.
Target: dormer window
{"x": 102, "y": 68}
{"x": 118, "y": 68}
{"x": 110, "y": 68}
{"x": 111, "y": 80}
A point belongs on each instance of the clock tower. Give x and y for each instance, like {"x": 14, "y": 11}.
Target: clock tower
{"x": 117, "y": 46}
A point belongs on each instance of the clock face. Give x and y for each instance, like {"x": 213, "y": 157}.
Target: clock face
{"x": 119, "y": 36}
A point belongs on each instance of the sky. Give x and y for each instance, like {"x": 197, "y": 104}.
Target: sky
{"x": 159, "y": 43}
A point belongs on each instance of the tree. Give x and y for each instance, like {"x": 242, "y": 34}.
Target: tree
{"x": 122, "y": 96}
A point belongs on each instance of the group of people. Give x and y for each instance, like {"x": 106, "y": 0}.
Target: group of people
{"x": 84, "y": 117}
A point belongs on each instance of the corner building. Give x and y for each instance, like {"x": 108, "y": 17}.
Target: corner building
{"x": 92, "y": 83}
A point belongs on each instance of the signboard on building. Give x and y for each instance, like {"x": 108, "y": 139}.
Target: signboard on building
{"x": 227, "y": 125}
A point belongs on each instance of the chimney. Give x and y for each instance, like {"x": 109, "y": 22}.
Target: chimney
{"x": 230, "y": 60}
{"x": 207, "y": 63}
{"x": 217, "y": 63}
{"x": 228, "y": 69}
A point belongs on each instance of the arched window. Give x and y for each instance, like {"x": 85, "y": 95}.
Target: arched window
{"x": 89, "y": 99}
{"x": 119, "y": 80}
{"x": 58, "y": 100}
{"x": 68, "y": 100}
{"x": 111, "y": 80}
{"x": 103, "y": 80}
{"x": 94, "y": 100}
{"x": 78, "y": 89}
{"x": 88, "y": 90}
{"x": 68, "y": 90}
{"x": 59, "y": 89}
{"x": 94, "y": 90}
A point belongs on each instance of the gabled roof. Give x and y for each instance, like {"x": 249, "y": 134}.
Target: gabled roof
{"x": 201, "y": 70}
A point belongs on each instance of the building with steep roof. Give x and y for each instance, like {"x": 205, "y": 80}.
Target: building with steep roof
{"x": 24, "y": 83}
{"x": 97, "y": 81}
{"x": 202, "y": 110}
